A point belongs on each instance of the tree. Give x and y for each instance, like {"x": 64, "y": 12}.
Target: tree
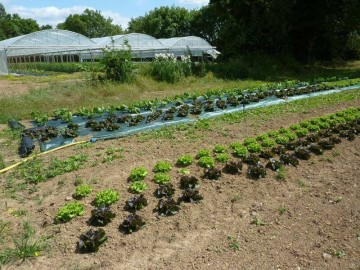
{"x": 164, "y": 22}
{"x": 91, "y": 24}
{"x": 46, "y": 27}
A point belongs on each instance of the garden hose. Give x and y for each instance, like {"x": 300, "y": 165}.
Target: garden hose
{"x": 41, "y": 154}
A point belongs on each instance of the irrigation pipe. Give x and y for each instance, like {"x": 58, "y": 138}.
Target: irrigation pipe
{"x": 40, "y": 154}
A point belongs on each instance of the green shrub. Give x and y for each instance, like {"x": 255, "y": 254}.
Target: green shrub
{"x": 161, "y": 178}
{"x": 118, "y": 66}
{"x": 69, "y": 211}
{"x": 138, "y": 187}
{"x": 185, "y": 160}
{"x": 206, "y": 162}
{"x": 106, "y": 197}
{"x": 83, "y": 191}
{"x": 166, "y": 68}
{"x": 162, "y": 166}
{"x": 138, "y": 174}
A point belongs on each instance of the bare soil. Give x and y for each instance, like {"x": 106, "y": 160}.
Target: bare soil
{"x": 317, "y": 229}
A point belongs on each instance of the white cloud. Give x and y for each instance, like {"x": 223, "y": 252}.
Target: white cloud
{"x": 54, "y": 15}
{"x": 194, "y": 2}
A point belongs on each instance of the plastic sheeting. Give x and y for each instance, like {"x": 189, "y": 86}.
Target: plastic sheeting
{"x": 126, "y": 130}
{"x": 3, "y": 63}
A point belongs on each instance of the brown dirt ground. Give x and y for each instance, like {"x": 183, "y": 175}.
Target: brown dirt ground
{"x": 321, "y": 198}
{"x": 16, "y": 88}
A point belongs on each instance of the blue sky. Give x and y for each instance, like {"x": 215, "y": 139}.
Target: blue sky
{"x": 54, "y": 12}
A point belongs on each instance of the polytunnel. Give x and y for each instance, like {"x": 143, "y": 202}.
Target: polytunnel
{"x": 142, "y": 46}
{"x": 197, "y": 46}
{"x": 45, "y": 46}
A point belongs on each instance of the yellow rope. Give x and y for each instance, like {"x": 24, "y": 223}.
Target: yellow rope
{"x": 37, "y": 155}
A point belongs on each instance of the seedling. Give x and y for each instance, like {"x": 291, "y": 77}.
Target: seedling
{"x": 184, "y": 171}
{"x": 234, "y": 244}
{"x": 219, "y": 148}
{"x": 223, "y": 158}
{"x": 203, "y": 153}
{"x": 206, "y": 162}
{"x": 282, "y": 209}
{"x": 338, "y": 253}
{"x": 281, "y": 174}
{"x": 258, "y": 221}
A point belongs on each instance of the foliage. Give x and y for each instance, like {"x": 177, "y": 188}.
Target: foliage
{"x": 190, "y": 195}
{"x": 162, "y": 166}
{"x": 233, "y": 167}
{"x": 136, "y": 203}
{"x": 256, "y": 171}
{"x": 212, "y": 174}
{"x": 106, "y": 197}
{"x": 58, "y": 167}
{"x": 132, "y": 223}
{"x": 203, "y": 153}
{"x": 138, "y": 187}
{"x": 219, "y": 148}
{"x": 40, "y": 118}
{"x": 69, "y": 211}
{"x": 189, "y": 182}
{"x": 138, "y": 174}
{"x": 161, "y": 178}
{"x": 206, "y": 162}
{"x": 91, "y": 23}
{"x": 223, "y": 158}
{"x": 118, "y": 66}
{"x": 164, "y": 22}
{"x": 91, "y": 240}
{"x": 254, "y": 147}
{"x": 167, "y": 207}
{"x": 164, "y": 190}
{"x": 241, "y": 151}
{"x": 185, "y": 160}
{"x": 82, "y": 191}
{"x": 101, "y": 216}
{"x": 165, "y": 67}
{"x": 25, "y": 246}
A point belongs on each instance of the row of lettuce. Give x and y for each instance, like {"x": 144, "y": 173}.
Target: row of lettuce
{"x": 269, "y": 151}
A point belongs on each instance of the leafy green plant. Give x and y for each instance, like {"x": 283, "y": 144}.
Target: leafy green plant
{"x": 167, "y": 207}
{"x": 282, "y": 139}
{"x": 184, "y": 171}
{"x": 219, "y": 148}
{"x": 101, "y": 216}
{"x": 106, "y": 197}
{"x": 281, "y": 174}
{"x": 40, "y": 118}
{"x": 254, "y": 147}
{"x": 138, "y": 187}
{"x": 203, "y": 153}
{"x": 59, "y": 167}
{"x": 302, "y": 132}
{"x": 91, "y": 240}
{"x": 223, "y": 158}
{"x": 132, "y": 223}
{"x": 138, "y": 174}
{"x": 136, "y": 203}
{"x": 185, "y": 160}
{"x": 161, "y": 178}
{"x": 313, "y": 128}
{"x": 241, "y": 151}
{"x": 338, "y": 253}
{"x": 249, "y": 140}
{"x": 268, "y": 142}
{"x": 82, "y": 191}
{"x": 162, "y": 166}
{"x": 69, "y": 211}
{"x": 282, "y": 209}
{"x": 206, "y": 162}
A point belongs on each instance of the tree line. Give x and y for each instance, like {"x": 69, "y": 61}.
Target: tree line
{"x": 305, "y": 30}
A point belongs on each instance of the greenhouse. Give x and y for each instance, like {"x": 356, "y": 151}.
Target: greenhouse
{"x": 65, "y": 46}
{"x": 197, "y": 46}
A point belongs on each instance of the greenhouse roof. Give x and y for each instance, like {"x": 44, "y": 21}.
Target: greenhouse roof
{"x": 191, "y": 41}
{"x": 135, "y": 40}
{"x": 48, "y": 38}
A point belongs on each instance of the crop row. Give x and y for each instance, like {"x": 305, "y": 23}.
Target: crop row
{"x": 269, "y": 151}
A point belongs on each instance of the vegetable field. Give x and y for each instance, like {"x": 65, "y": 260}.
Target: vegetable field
{"x": 273, "y": 187}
